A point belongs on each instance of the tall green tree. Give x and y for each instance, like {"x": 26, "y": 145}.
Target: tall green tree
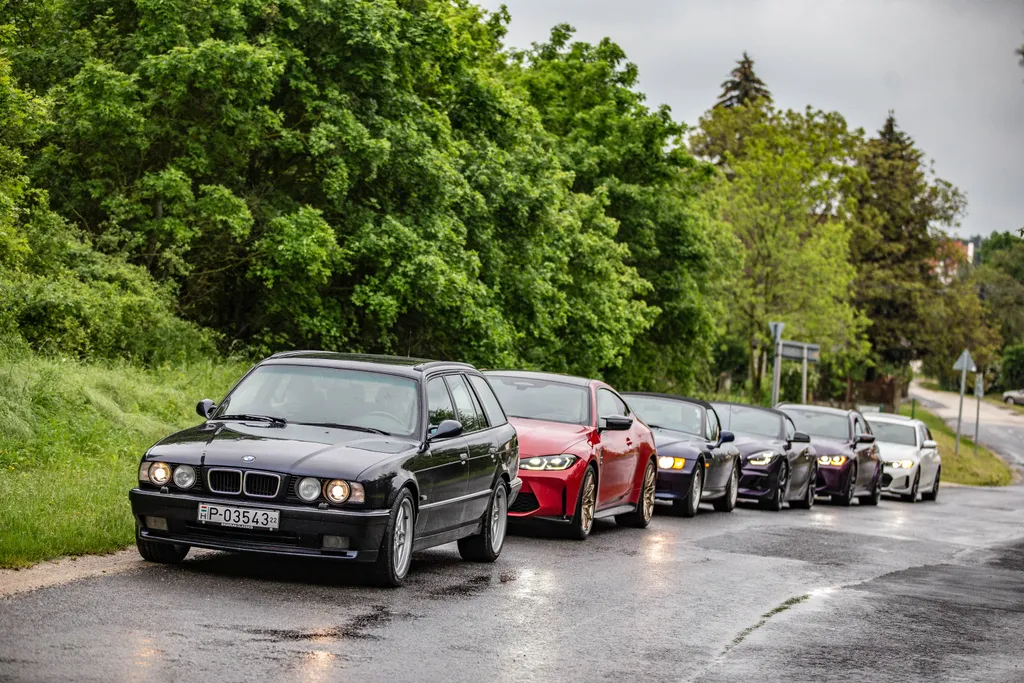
{"x": 900, "y": 212}
{"x": 786, "y": 203}
{"x": 1000, "y": 278}
{"x": 633, "y": 156}
{"x": 743, "y": 86}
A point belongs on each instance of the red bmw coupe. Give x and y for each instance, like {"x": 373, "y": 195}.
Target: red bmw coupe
{"x": 583, "y": 455}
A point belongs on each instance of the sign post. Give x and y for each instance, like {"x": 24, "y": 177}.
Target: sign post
{"x": 979, "y": 391}
{"x": 776, "y": 329}
{"x": 963, "y": 364}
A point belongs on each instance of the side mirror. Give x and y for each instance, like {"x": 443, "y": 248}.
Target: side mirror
{"x": 800, "y": 437}
{"x": 616, "y": 423}
{"x": 725, "y": 437}
{"x": 865, "y": 438}
{"x": 929, "y": 444}
{"x": 205, "y": 408}
{"x": 446, "y": 430}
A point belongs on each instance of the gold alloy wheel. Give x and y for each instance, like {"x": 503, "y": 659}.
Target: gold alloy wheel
{"x": 648, "y": 493}
{"x": 589, "y": 500}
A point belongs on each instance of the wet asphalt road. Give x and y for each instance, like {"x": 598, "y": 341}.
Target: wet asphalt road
{"x": 932, "y": 591}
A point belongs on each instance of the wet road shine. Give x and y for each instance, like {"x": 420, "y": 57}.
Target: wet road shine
{"x": 894, "y": 593}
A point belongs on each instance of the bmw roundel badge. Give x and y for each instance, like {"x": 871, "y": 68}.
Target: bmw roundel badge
{"x": 248, "y": 458}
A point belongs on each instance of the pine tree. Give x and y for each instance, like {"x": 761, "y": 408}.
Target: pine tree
{"x": 743, "y": 86}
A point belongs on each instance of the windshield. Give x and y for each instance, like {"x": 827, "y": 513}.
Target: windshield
{"x": 317, "y": 395}
{"x": 538, "y": 399}
{"x": 744, "y": 420}
{"x": 817, "y": 423}
{"x": 666, "y": 413}
{"x": 905, "y": 435}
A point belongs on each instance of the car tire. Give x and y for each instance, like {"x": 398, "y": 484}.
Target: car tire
{"x": 583, "y": 519}
{"x": 1010, "y": 401}
{"x": 641, "y": 515}
{"x": 395, "y": 554}
{"x": 912, "y": 496}
{"x": 164, "y": 553}
{"x": 486, "y": 546}
{"x": 933, "y": 495}
{"x": 774, "y": 504}
{"x": 727, "y": 503}
{"x": 876, "y": 492}
{"x": 807, "y": 502}
{"x": 687, "y": 507}
{"x": 846, "y": 499}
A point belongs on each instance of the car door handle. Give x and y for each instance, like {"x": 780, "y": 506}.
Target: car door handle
{"x": 464, "y": 457}
{"x": 629, "y": 442}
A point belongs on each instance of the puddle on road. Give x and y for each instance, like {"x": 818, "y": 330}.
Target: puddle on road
{"x": 354, "y": 629}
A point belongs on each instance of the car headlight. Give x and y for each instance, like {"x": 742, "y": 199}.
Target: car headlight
{"x": 184, "y": 476}
{"x": 900, "y": 464}
{"x": 308, "y": 489}
{"x": 762, "y": 458}
{"x": 358, "y": 495}
{"x": 548, "y": 462}
{"x": 666, "y": 462}
{"x": 834, "y": 460}
{"x": 337, "y": 491}
{"x": 159, "y": 473}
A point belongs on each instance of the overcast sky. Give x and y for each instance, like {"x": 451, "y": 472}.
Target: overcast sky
{"x": 947, "y": 68}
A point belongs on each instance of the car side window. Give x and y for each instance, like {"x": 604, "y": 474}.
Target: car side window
{"x": 712, "y": 428}
{"x": 858, "y": 429}
{"x": 609, "y": 404}
{"x": 464, "y": 407}
{"x": 439, "y": 403}
{"x": 790, "y": 428}
{"x": 492, "y": 407}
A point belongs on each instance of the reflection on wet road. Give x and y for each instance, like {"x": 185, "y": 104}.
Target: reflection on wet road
{"x": 899, "y": 592}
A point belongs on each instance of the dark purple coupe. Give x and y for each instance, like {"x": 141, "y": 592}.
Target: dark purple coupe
{"x": 778, "y": 462}
{"x": 849, "y": 466}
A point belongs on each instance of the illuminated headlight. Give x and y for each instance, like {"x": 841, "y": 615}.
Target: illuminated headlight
{"x": 184, "y": 476}
{"x": 668, "y": 463}
{"x": 900, "y": 464}
{"x": 308, "y": 489}
{"x": 337, "y": 491}
{"x": 159, "y": 473}
{"x": 834, "y": 460}
{"x": 762, "y": 458}
{"x": 548, "y": 462}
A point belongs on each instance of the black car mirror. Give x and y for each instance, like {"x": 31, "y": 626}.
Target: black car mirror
{"x": 616, "y": 423}
{"x": 446, "y": 430}
{"x": 205, "y": 408}
{"x": 800, "y": 437}
{"x": 865, "y": 438}
{"x": 726, "y": 437}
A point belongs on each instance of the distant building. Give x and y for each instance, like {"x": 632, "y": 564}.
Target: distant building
{"x": 951, "y": 257}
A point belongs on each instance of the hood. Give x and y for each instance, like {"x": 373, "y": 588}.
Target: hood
{"x": 898, "y": 451}
{"x": 663, "y": 438}
{"x": 292, "y": 449}
{"x": 825, "y": 446}
{"x": 748, "y": 444}
{"x": 540, "y": 437}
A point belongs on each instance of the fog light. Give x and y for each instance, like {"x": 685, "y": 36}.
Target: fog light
{"x": 158, "y": 523}
{"x": 336, "y": 542}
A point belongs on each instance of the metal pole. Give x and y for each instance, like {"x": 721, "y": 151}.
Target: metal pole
{"x": 977, "y": 418}
{"x": 777, "y": 374}
{"x": 960, "y": 412}
{"x": 803, "y": 383}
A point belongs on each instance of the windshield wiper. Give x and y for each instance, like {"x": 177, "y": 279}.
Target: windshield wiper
{"x": 338, "y": 425}
{"x": 254, "y": 418}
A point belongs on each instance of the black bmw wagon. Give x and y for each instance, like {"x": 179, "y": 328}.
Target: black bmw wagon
{"x": 358, "y": 458}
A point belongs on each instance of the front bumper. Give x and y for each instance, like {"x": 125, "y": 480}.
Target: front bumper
{"x": 833, "y": 480}
{"x": 300, "y": 532}
{"x": 673, "y": 484}
{"x": 898, "y": 481}
{"x": 758, "y": 482}
{"x": 548, "y": 494}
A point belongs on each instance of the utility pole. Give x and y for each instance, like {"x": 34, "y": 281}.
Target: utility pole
{"x": 803, "y": 383}
{"x": 979, "y": 391}
{"x": 776, "y": 329}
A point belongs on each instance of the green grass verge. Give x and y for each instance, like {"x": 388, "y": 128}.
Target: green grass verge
{"x": 987, "y": 469}
{"x": 71, "y": 436}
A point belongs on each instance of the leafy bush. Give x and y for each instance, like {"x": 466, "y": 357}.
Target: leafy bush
{"x": 1012, "y": 374}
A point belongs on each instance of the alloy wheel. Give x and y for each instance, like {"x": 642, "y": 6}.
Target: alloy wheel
{"x": 734, "y": 488}
{"x": 499, "y": 518}
{"x": 697, "y": 489}
{"x": 810, "y": 488}
{"x": 648, "y": 493}
{"x": 589, "y": 500}
{"x": 402, "y": 550}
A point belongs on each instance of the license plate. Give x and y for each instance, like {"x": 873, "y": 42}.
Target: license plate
{"x": 245, "y": 518}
